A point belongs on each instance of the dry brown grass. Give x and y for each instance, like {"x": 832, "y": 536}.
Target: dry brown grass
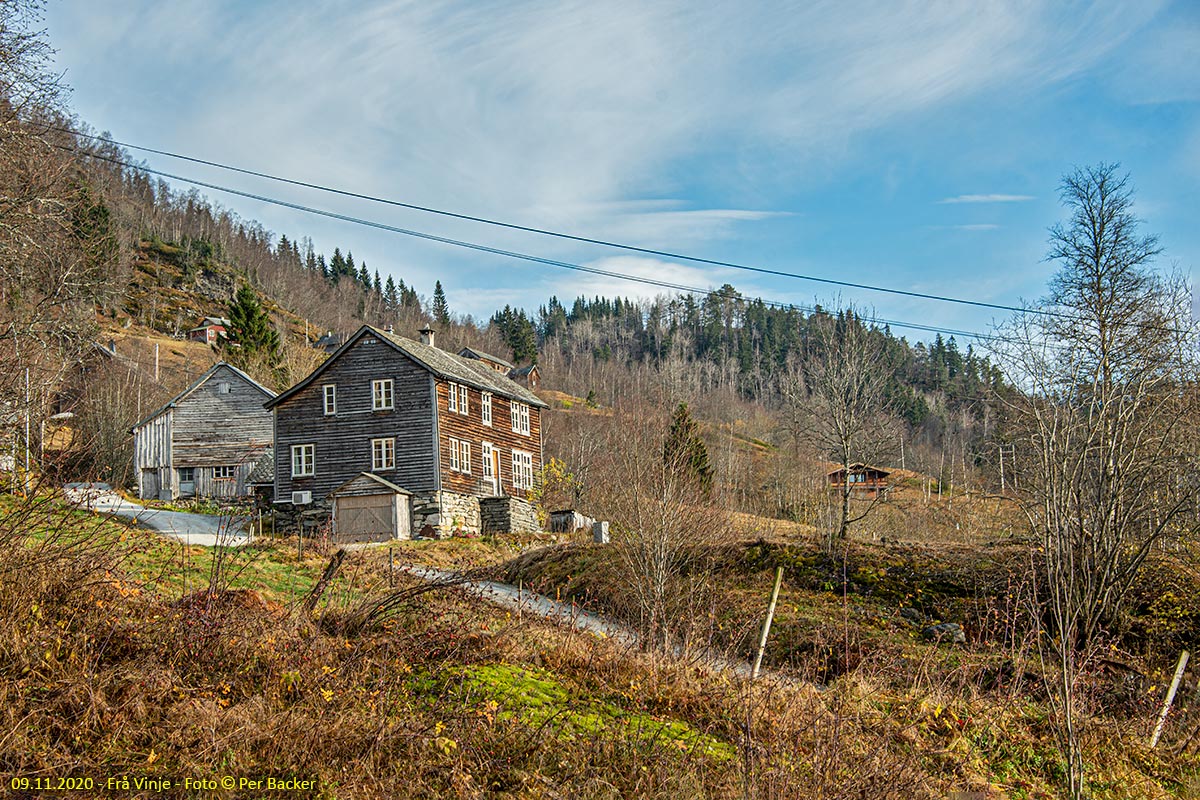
{"x": 445, "y": 697}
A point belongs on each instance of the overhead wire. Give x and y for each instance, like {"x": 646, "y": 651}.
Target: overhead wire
{"x": 512, "y": 253}
{"x": 567, "y": 236}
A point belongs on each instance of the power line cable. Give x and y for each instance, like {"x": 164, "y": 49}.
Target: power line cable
{"x": 510, "y": 253}
{"x": 568, "y": 236}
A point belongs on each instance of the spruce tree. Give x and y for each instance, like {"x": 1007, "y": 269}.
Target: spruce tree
{"x": 364, "y": 277}
{"x": 685, "y": 449}
{"x": 337, "y": 266}
{"x": 441, "y": 311}
{"x": 250, "y": 339}
{"x": 377, "y": 286}
{"x": 390, "y": 297}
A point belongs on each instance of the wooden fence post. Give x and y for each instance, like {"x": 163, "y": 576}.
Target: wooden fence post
{"x": 762, "y": 641}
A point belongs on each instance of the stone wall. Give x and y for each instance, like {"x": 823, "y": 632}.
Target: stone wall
{"x": 507, "y": 515}
{"x": 440, "y": 514}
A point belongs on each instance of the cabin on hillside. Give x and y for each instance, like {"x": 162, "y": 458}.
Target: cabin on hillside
{"x": 525, "y": 376}
{"x": 456, "y": 445}
{"x": 206, "y": 440}
{"x": 209, "y": 330}
{"x": 865, "y": 480}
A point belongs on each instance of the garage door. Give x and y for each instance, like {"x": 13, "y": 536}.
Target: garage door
{"x": 370, "y": 518}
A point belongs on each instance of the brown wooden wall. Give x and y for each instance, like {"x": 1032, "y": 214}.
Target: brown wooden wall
{"x": 471, "y": 428}
{"x": 343, "y": 442}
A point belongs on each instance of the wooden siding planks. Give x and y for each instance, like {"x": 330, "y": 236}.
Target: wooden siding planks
{"x": 343, "y": 441}
{"x": 470, "y": 428}
{"x": 214, "y": 429}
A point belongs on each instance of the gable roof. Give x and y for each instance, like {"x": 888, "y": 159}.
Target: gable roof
{"x": 174, "y": 401}
{"x": 372, "y": 477}
{"x": 209, "y": 322}
{"x": 521, "y": 372}
{"x": 479, "y": 355}
{"x": 444, "y": 365}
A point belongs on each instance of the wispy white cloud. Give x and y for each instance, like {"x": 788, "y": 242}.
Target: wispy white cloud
{"x": 988, "y": 198}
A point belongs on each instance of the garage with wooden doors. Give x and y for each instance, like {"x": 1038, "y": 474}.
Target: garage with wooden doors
{"x": 368, "y": 508}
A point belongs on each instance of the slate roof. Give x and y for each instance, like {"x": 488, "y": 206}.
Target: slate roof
{"x": 264, "y": 471}
{"x": 521, "y": 372}
{"x": 200, "y": 382}
{"x": 448, "y": 366}
{"x": 479, "y": 354}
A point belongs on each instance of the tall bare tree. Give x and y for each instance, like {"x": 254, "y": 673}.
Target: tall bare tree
{"x": 838, "y": 401}
{"x": 1104, "y": 422}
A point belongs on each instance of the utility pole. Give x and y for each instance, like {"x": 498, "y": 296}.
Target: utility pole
{"x": 27, "y": 415}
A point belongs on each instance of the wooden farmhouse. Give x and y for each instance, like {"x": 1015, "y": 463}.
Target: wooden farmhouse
{"x": 865, "y": 480}
{"x": 206, "y": 440}
{"x": 391, "y": 423}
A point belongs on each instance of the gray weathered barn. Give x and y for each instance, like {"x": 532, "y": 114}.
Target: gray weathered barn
{"x": 206, "y": 440}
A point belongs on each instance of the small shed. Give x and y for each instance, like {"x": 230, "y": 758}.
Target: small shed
{"x": 863, "y": 478}
{"x": 368, "y": 508}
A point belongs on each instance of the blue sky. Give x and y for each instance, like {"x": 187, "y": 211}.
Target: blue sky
{"x": 919, "y": 146}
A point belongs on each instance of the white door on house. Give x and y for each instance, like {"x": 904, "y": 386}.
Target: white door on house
{"x": 491, "y": 468}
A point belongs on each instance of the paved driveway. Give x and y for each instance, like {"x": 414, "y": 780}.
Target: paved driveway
{"x": 202, "y": 529}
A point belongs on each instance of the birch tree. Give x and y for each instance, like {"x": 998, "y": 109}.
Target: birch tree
{"x": 1104, "y": 422}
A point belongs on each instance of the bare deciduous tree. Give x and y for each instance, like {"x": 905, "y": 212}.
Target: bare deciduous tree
{"x": 837, "y": 398}
{"x": 1104, "y": 420}
{"x": 662, "y": 524}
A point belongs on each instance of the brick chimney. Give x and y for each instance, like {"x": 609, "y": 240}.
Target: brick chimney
{"x": 427, "y": 336}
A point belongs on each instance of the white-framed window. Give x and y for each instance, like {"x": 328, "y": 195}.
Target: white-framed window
{"x": 485, "y": 407}
{"x": 522, "y": 467}
{"x": 224, "y": 473}
{"x": 303, "y": 460}
{"x": 383, "y": 454}
{"x": 460, "y": 455}
{"x": 382, "y": 398}
{"x": 459, "y": 402}
{"x": 519, "y": 414}
{"x": 330, "y": 393}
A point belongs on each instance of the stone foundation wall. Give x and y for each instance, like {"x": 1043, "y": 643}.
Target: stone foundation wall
{"x": 440, "y": 514}
{"x": 507, "y": 515}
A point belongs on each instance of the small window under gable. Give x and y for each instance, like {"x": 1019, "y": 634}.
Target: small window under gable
{"x": 223, "y": 387}
{"x": 330, "y": 392}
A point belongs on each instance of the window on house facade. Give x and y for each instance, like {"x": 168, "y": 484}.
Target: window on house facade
{"x": 223, "y": 387}
{"x": 187, "y": 474}
{"x": 459, "y": 402}
{"x": 522, "y": 468}
{"x": 485, "y": 407}
{"x": 330, "y": 391}
{"x": 303, "y": 460}
{"x": 224, "y": 473}
{"x": 460, "y": 456}
{"x": 382, "y": 398}
{"x": 519, "y": 414}
{"x": 383, "y": 454}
